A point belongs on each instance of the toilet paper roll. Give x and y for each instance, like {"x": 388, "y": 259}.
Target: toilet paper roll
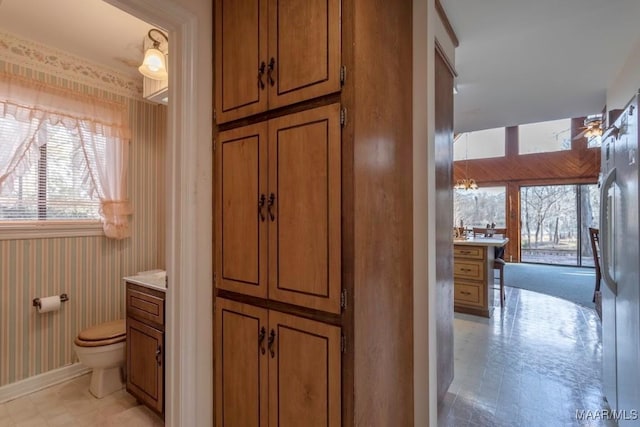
{"x": 48, "y": 304}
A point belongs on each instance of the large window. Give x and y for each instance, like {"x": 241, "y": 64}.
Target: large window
{"x": 555, "y": 223}
{"x": 544, "y": 136}
{"x": 479, "y": 144}
{"x": 477, "y": 208}
{"x": 53, "y": 186}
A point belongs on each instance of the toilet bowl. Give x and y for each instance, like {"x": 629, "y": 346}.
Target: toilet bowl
{"x": 102, "y": 348}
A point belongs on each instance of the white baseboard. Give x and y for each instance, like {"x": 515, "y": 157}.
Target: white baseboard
{"x": 38, "y": 382}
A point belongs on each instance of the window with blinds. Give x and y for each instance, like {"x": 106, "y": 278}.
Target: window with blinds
{"x": 54, "y": 187}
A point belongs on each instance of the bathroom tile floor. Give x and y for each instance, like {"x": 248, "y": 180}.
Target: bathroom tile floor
{"x": 71, "y": 405}
{"x": 535, "y": 362}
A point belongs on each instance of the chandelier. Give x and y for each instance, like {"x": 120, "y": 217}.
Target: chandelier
{"x": 466, "y": 183}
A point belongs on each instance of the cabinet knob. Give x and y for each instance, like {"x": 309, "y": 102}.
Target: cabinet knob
{"x": 272, "y": 338}
{"x": 261, "y": 202}
{"x": 158, "y": 358}
{"x": 272, "y": 200}
{"x": 261, "y": 335}
{"x": 272, "y": 67}
{"x": 260, "y": 74}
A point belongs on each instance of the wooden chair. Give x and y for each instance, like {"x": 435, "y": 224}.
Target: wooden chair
{"x": 594, "y": 234}
{"x": 498, "y": 262}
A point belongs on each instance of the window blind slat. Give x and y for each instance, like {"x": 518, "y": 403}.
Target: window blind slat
{"x": 54, "y": 187}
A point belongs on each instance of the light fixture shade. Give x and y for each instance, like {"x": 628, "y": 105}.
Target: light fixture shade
{"x": 154, "y": 65}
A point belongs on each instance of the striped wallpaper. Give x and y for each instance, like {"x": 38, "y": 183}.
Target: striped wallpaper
{"x": 88, "y": 269}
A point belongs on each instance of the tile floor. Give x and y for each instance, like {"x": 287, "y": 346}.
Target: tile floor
{"x": 71, "y": 405}
{"x": 533, "y": 363}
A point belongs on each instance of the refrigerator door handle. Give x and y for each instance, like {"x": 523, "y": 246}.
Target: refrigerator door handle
{"x": 605, "y": 234}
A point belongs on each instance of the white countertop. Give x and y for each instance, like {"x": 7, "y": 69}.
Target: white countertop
{"x": 482, "y": 241}
{"x": 156, "y": 280}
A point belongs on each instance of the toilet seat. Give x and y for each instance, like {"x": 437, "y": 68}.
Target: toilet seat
{"x": 103, "y": 334}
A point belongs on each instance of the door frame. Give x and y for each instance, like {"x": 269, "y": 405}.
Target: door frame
{"x": 189, "y": 326}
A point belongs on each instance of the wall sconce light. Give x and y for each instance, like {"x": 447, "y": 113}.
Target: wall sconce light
{"x": 154, "y": 65}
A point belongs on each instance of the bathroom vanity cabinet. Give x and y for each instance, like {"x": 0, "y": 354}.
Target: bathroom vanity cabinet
{"x": 145, "y": 345}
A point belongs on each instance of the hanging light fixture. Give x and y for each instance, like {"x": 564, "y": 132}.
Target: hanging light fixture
{"x": 466, "y": 183}
{"x": 154, "y": 64}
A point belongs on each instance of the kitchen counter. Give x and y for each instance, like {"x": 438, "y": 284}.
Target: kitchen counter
{"x": 155, "y": 280}
{"x": 473, "y": 265}
{"x": 482, "y": 241}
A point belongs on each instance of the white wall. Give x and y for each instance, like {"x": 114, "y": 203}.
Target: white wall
{"x": 627, "y": 81}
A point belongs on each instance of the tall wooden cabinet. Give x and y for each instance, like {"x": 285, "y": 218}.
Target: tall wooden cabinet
{"x": 279, "y": 223}
{"x": 274, "y": 53}
{"x": 312, "y": 259}
{"x": 275, "y": 368}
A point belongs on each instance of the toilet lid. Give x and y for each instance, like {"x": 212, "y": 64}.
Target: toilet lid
{"x": 104, "y": 331}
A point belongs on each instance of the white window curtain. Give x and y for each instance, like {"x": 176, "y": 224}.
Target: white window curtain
{"x": 94, "y": 122}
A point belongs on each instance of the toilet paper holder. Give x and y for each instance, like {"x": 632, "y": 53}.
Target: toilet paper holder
{"x": 63, "y": 298}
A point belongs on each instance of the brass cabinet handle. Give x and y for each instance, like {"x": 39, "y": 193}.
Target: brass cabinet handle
{"x": 260, "y": 74}
{"x": 465, "y": 293}
{"x": 261, "y": 202}
{"x": 261, "y": 335}
{"x": 272, "y": 338}
{"x": 466, "y": 270}
{"x": 271, "y": 69}
{"x": 272, "y": 200}
{"x": 158, "y": 353}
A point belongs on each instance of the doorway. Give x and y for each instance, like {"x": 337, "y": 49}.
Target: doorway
{"x": 189, "y": 373}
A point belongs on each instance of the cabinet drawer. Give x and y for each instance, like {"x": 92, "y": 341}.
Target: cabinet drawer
{"x": 474, "y": 252}
{"x": 469, "y": 294}
{"x": 144, "y": 306}
{"x": 468, "y": 269}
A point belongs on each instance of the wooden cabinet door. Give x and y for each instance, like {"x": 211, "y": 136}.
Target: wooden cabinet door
{"x": 145, "y": 357}
{"x": 304, "y": 225}
{"x": 241, "y": 232}
{"x": 304, "y": 373}
{"x": 304, "y": 48}
{"x": 241, "y": 361}
{"x": 240, "y": 50}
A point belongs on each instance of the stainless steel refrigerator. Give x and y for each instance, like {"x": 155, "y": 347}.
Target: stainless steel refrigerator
{"x": 620, "y": 256}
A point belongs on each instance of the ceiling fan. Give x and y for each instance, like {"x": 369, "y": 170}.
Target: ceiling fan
{"x": 592, "y": 127}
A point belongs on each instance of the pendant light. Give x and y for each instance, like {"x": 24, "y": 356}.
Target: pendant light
{"x": 466, "y": 183}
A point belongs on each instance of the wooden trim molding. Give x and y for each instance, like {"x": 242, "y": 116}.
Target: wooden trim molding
{"x": 440, "y": 51}
{"x": 447, "y": 25}
{"x": 38, "y": 382}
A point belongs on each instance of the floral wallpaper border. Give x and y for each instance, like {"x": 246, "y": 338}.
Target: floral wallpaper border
{"x": 47, "y": 59}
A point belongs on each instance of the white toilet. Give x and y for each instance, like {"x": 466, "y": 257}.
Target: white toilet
{"x": 102, "y": 348}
